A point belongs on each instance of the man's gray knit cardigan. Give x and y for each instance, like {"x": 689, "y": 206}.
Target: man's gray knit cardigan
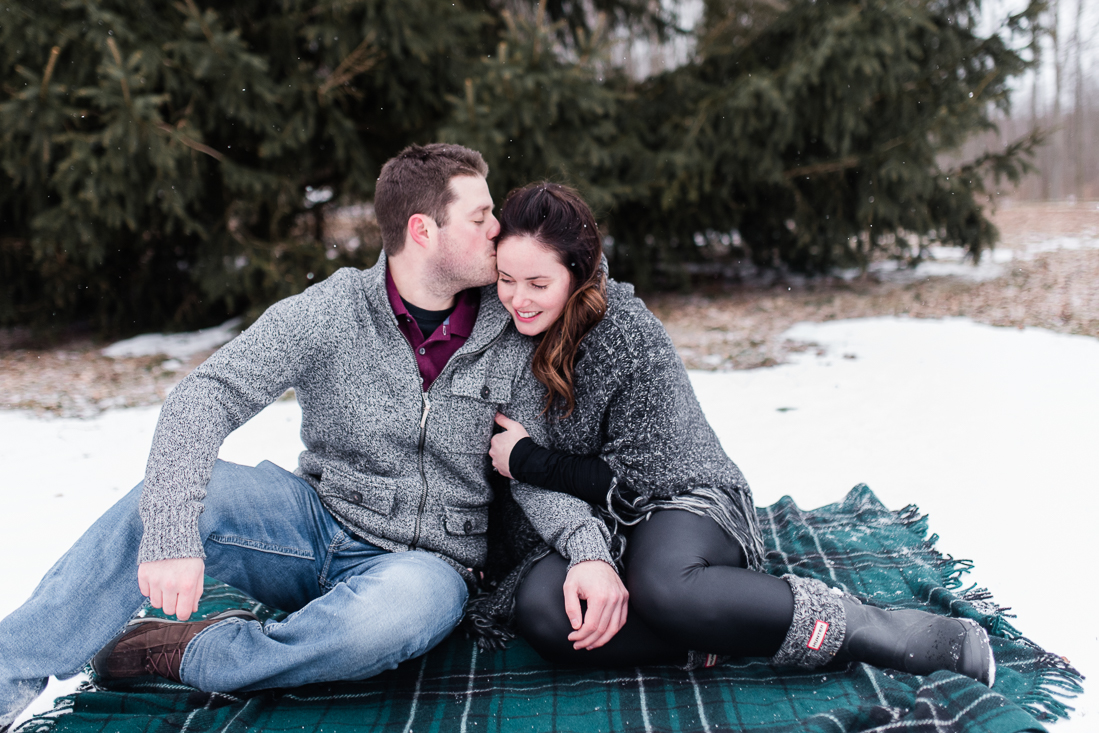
{"x": 636, "y": 409}
{"x": 396, "y": 466}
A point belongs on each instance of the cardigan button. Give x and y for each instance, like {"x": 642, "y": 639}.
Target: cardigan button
{"x": 356, "y": 497}
{"x": 467, "y": 527}
{"x": 485, "y": 392}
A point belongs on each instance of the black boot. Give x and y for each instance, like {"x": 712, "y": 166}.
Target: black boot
{"x": 830, "y": 625}
{"x": 916, "y": 642}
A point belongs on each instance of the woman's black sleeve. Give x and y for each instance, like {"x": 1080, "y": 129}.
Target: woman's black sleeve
{"x": 585, "y": 477}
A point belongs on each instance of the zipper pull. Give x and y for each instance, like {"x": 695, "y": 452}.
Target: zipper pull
{"x": 423, "y": 417}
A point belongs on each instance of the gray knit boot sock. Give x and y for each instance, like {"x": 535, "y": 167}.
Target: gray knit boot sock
{"x": 818, "y": 628}
{"x": 916, "y": 642}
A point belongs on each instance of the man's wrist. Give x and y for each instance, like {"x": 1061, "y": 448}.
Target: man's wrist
{"x": 588, "y": 543}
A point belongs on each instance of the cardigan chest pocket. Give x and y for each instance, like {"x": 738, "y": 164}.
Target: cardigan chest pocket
{"x": 481, "y": 384}
{"x": 475, "y": 396}
{"x": 370, "y": 492}
{"x": 466, "y": 521}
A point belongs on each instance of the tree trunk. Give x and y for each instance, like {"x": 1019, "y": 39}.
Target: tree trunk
{"x": 1078, "y": 162}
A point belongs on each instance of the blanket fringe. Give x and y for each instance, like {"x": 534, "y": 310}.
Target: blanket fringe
{"x": 1058, "y": 680}
{"x": 47, "y": 721}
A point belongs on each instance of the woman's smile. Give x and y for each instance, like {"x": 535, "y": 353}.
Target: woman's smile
{"x": 533, "y": 284}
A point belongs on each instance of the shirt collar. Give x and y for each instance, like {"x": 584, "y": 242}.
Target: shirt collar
{"x": 462, "y": 319}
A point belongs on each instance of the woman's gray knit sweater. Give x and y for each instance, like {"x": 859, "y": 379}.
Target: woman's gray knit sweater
{"x": 636, "y": 409}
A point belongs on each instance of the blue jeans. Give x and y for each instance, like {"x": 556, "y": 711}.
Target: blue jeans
{"x": 356, "y": 609}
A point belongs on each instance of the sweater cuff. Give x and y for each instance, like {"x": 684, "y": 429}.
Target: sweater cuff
{"x": 520, "y": 452}
{"x": 588, "y": 542}
{"x": 170, "y": 534}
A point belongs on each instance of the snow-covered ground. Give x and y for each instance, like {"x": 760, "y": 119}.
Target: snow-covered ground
{"x": 955, "y": 261}
{"x": 991, "y": 431}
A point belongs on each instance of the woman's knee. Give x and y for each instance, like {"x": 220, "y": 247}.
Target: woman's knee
{"x": 540, "y": 609}
{"x": 655, "y": 593}
{"x": 669, "y": 554}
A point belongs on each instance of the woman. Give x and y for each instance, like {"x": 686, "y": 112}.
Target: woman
{"x": 623, "y": 431}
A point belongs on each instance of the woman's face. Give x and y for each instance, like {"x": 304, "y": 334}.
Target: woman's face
{"x": 533, "y": 284}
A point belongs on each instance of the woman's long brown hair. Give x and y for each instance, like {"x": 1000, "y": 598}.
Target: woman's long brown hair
{"x": 558, "y": 219}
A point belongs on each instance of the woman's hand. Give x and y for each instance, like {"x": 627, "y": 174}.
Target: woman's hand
{"x": 502, "y": 443}
{"x": 597, "y": 583}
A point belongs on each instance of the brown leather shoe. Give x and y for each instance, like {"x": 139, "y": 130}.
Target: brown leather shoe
{"x": 153, "y": 646}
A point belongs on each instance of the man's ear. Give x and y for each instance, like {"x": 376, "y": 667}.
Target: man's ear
{"x": 422, "y": 228}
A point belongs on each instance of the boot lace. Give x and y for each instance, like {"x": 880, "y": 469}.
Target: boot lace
{"x": 165, "y": 663}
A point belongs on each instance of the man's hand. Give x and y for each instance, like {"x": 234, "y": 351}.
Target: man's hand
{"x": 172, "y": 585}
{"x": 502, "y": 443}
{"x": 597, "y": 583}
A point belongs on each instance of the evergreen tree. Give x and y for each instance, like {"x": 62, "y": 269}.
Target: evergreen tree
{"x": 804, "y": 136}
{"x": 170, "y": 162}
{"x": 155, "y": 155}
{"x": 537, "y": 113}
{"x": 819, "y": 136}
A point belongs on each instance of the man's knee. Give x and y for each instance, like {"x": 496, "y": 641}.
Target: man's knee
{"x": 433, "y": 582}
{"x": 425, "y": 594}
{"x": 247, "y": 495}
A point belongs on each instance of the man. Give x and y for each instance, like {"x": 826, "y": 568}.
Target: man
{"x": 399, "y": 371}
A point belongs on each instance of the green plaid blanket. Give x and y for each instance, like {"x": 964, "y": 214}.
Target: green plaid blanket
{"x": 882, "y": 556}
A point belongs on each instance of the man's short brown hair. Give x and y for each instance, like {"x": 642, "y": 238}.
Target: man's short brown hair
{"x": 417, "y": 181}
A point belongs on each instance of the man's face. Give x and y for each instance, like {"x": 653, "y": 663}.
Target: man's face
{"x": 466, "y": 256}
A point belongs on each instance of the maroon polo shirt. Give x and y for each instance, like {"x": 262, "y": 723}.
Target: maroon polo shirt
{"x": 435, "y": 351}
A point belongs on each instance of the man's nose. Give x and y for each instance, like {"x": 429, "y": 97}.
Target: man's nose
{"x": 495, "y": 228}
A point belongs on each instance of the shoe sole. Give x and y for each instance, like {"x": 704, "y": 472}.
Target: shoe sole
{"x": 99, "y": 661}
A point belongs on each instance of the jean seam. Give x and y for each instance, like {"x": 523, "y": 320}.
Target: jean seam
{"x": 261, "y": 546}
{"x": 339, "y": 541}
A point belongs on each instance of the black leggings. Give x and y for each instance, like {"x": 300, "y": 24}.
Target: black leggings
{"x": 689, "y": 589}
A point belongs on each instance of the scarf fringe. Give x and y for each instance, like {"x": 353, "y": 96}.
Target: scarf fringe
{"x": 490, "y": 617}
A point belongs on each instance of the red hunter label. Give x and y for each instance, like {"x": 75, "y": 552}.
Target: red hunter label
{"x": 819, "y": 632}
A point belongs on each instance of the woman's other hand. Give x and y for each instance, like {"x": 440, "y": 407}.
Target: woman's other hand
{"x": 597, "y": 583}
{"x": 502, "y": 443}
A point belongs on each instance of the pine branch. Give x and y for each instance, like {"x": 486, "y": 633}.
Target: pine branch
{"x": 201, "y": 22}
{"x": 54, "y": 53}
{"x": 188, "y": 141}
{"x": 122, "y": 79}
{"x": 362, "y": 59}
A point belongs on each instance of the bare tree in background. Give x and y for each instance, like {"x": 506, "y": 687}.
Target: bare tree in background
{"x": 1078, "y": 104}
{"x": 1051, "y": 173}
{"x": 1060, "y": 100}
